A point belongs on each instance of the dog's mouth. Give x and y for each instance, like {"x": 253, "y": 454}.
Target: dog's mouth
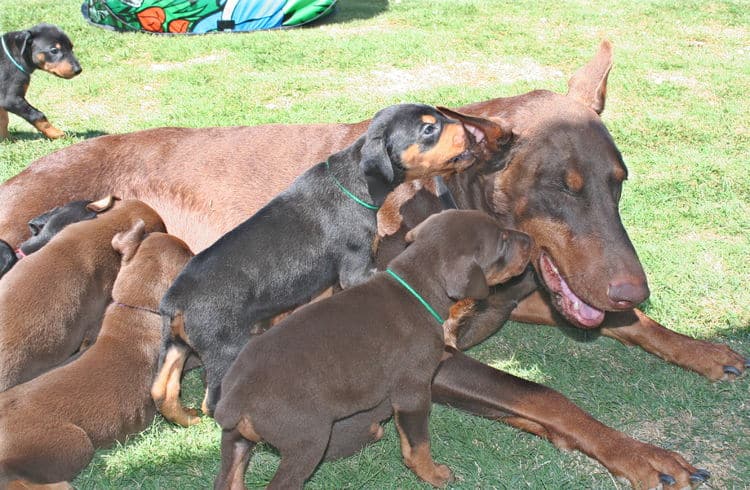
{"x": 565, "y": 300}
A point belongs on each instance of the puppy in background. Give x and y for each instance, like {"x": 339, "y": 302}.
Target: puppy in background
{"x": 43, "y": 47}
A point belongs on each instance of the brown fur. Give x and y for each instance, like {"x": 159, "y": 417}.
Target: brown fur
{"x": 50, "y": 426}
{"x": 54, "y": 299}
{"x": 206, "y": 181}
{"x": 334, "y": 359}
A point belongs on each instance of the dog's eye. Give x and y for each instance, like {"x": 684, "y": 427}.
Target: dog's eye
{"x": 429, "y": 129}
{"x": 54, "y": 50}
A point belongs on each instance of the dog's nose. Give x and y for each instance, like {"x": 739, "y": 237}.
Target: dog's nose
{"x": 77, "y": 69}
{"x": 626, "y": 294}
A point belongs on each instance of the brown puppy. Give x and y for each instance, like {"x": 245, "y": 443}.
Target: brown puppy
{"x": 375, "y": 342}
{"x": 50, "y": 426}
{"x": 52, "y": 302}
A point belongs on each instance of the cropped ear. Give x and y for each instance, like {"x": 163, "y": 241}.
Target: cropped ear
{"x": 102, "y": 204}
{"x": 589, "y": 83}
{"x": 127, "y": 242}
{"x": 493, "y": 132}
{"x": 465, "y": 279}
{"x": 377, "y": 167}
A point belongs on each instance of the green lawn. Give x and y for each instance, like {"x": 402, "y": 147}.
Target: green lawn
{"x": 677, "y": 106}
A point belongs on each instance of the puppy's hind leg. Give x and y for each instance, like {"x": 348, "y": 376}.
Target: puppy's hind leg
{"x": 300, "y": 455}
{"x": 235, "y": 456}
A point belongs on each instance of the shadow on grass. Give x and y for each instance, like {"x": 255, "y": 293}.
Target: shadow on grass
{"x": 32, "y": 135}
{"x": 350, "y": 10}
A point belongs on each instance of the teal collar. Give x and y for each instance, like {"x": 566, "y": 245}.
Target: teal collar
{"x": 416, "y": 295}
{"x": 12, "y": 60}
{"x": 349, "y": 193}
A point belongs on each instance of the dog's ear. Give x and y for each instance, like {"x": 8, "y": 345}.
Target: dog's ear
{"x": 102, "y": 204}
{"x": 26, "y": 37}
{"x": 412, "y": 234}
{"x": 377, "y": 167}
{"x": 465, "y": 279}
{"x": 127, "y": 242}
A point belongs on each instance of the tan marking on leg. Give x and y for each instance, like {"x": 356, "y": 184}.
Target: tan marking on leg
{"x": 166, "y": 389}
{"x": 418, "y": 459}
{"x": 4, "y": 121}
{"x": 377, "y": 431}
{"x": 47, "y": 129}
{"x": 247, "y": 429}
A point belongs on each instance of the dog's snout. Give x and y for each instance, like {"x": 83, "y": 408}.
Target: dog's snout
{"x": 627, "y": 293}
{"x": 76, "y": 68}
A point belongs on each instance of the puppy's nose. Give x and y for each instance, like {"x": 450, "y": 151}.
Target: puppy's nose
{"x": 77, "y": 69}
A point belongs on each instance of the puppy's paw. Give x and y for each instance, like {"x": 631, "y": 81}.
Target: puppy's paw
{"x": 443, "y": 476}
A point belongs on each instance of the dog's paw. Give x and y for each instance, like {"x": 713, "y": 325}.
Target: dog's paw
{"x": 53, "y": 133}
{"x": 443, "y": 476}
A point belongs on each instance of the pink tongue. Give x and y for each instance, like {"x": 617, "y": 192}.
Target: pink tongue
{"x": 572, "y": 306}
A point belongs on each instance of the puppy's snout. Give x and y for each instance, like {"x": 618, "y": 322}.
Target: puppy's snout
{"x": 76, "y": 68}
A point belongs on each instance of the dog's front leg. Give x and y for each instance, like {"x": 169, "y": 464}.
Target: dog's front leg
{"x": 714, "y": 361}
{"x": 633, "y": 327}
{"x": 20, "y": 107}
{"x": 469, "y": 385}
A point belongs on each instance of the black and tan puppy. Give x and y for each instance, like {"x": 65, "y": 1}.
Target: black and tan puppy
{"x": 47, "y": 225}
{"x": 43, "y": 47}
{"x": 51, "y": 425}
{"x": 378, "y": 342}
{"x": 316, "y": 234}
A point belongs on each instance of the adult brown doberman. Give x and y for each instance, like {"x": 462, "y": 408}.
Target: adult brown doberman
{"x": 203, "y": 183}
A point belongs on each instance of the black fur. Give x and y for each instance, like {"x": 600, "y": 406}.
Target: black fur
{"x": 310, "y": 237}
{"x": 41, "y": 46}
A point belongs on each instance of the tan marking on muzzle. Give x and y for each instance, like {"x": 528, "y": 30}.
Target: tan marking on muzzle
{"x": 453, "y": 141}
{"x": 63, "y": 69}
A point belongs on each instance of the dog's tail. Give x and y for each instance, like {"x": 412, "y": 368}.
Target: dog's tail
{"x": 175, "y": 349}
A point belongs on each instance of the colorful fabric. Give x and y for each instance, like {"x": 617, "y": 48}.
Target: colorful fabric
{"x": 203, "y": 16}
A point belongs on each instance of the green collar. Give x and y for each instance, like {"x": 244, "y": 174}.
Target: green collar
{"x": 12, "y": 60}
{"x": 416, "y": 295}
{"x": 349, "y": 193}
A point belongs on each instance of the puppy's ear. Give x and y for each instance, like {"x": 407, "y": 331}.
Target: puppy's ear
{"x": 377, "y": 167}
{"x": 465, "y": 279}
{"x": 127, "y": 242}
{"x": 102, "y": 204}
{"x": 26, "y": 37}
{"x": 412, "y": 234}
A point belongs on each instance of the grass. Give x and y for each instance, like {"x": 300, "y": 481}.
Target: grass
{"x": 677, "y": 107}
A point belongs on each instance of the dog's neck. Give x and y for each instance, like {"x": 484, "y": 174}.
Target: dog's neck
{"x": 13, "y": 52}
{"x": 425, "y": 283}
{"x": 344, "y": 167}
